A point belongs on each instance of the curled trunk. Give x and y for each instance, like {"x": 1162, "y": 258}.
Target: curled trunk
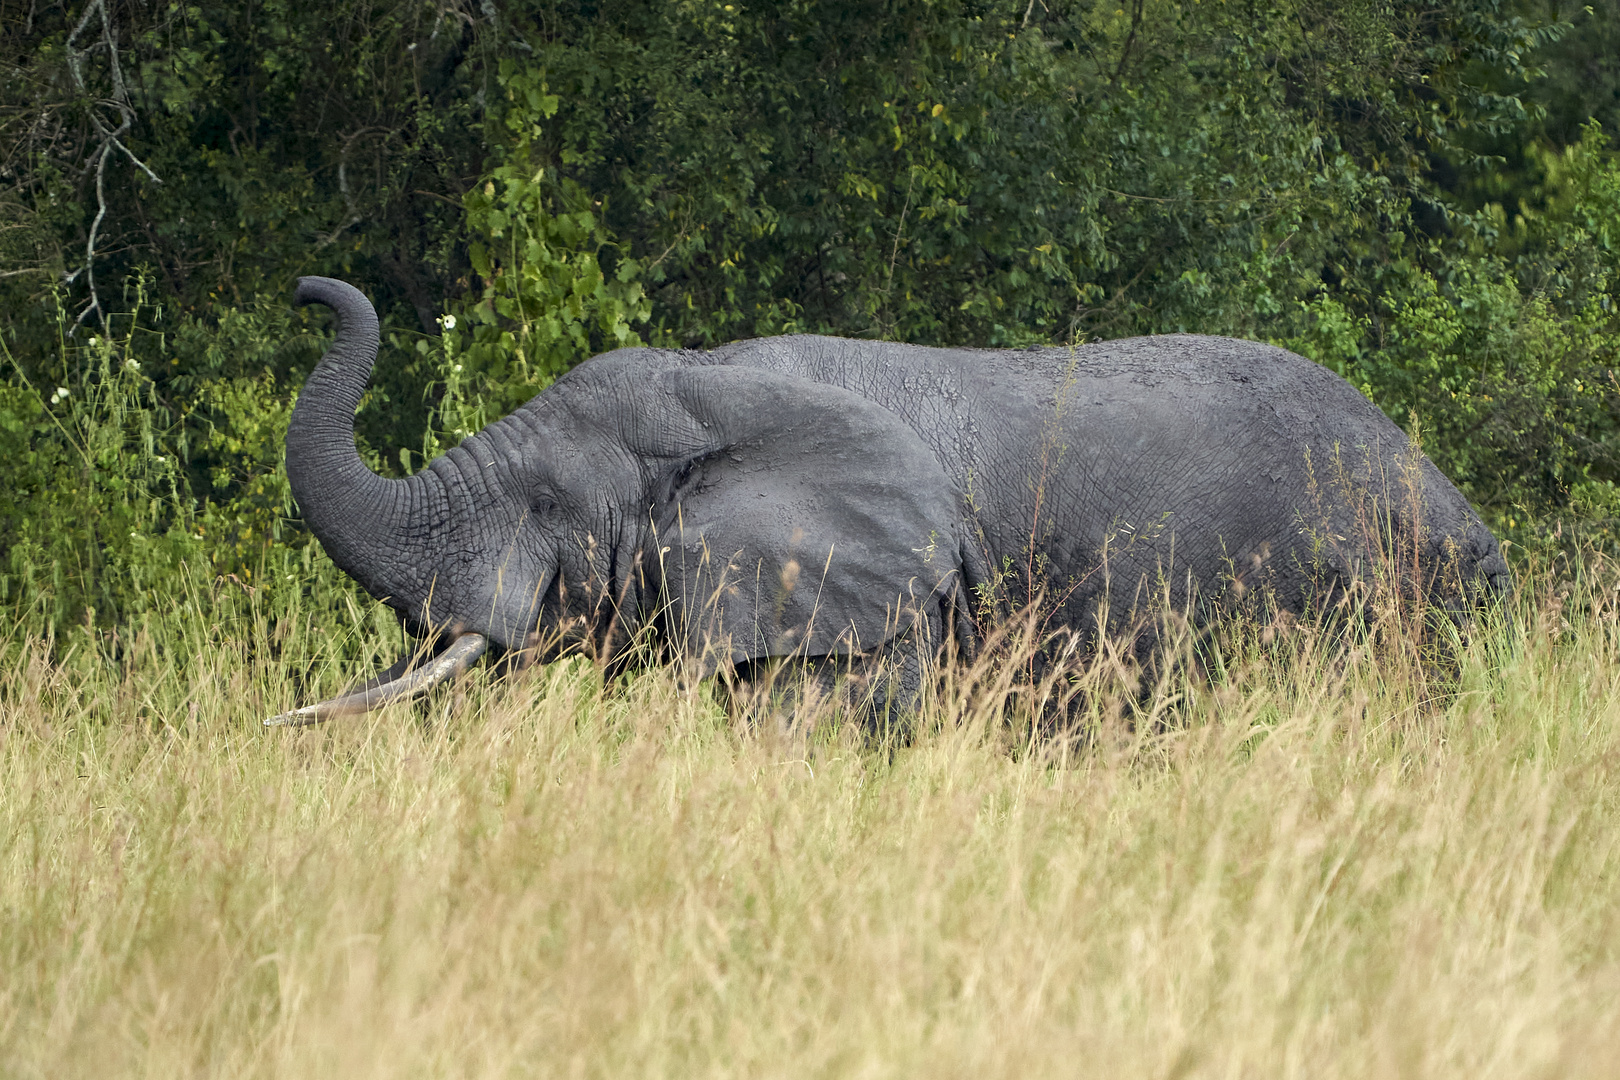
{"x": 360, "y": 518}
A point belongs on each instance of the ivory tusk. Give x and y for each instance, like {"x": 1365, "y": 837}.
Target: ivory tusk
{"x": 447, "y": 665}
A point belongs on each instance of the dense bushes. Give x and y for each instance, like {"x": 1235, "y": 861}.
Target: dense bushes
{"x": 522, "y": 184}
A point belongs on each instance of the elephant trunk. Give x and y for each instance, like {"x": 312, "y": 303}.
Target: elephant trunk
{"x": 359, "y": 517}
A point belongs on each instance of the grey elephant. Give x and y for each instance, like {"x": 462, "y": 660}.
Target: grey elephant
{"x": 837, "y": 501}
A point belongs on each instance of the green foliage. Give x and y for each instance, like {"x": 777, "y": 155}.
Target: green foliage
{"x": 556, "y": 286}
{"x": 1503, "y": 343}
{"x": 997, "y": 174}
{"x": 95, "y": 512}
{"x": 1399, "y": 191}
{"x": 101, "y": 520}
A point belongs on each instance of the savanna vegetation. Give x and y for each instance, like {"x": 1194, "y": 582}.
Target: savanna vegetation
{"x": 1302, "y": 855}
{"x": 1309, "y": 863}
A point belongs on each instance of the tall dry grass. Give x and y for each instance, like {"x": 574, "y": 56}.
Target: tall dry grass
{"x": 1311, "y": 864}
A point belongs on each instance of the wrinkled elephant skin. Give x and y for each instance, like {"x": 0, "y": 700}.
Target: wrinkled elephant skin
{"x": 818, "y": 497}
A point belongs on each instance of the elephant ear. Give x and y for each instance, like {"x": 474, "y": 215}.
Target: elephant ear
{"x": 807, "y": 521}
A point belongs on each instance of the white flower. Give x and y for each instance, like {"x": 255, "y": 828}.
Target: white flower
{"x": 60, "y": 395}
{"x": 456, "y": 369}
{"x": 94, "y": 341}
{"x": 448, "y": 322}
{"x": 132, "y": 364}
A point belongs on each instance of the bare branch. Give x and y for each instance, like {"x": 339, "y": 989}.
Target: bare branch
{"x": 110, "y": 138}
{"x": 354, "y": 218}
{"x": 138, "y": 162}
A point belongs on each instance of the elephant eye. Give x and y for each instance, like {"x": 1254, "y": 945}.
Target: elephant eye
{"x": 543, "y": 505}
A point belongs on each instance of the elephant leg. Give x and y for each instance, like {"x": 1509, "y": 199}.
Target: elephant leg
{"x": 882, "y": 689}
{"x": 785, "y": 692}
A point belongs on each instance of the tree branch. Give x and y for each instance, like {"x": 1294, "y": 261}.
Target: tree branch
{"x": 110, "y": 139}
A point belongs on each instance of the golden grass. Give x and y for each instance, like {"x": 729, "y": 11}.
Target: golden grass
{"x": 1305, "y": 871}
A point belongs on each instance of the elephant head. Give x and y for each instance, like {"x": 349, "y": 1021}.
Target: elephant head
{"x": 749, "y": 513}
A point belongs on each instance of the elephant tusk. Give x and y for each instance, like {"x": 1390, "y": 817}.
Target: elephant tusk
{"x": 447, "y": 665}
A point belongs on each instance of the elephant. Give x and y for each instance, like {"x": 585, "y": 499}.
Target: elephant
{"x": 835, "y": 500}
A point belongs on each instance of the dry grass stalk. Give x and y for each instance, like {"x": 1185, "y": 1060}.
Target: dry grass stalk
{"x": 1295, "y": 857}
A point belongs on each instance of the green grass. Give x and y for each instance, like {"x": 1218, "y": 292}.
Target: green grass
{"x": 1313, "y": 866}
